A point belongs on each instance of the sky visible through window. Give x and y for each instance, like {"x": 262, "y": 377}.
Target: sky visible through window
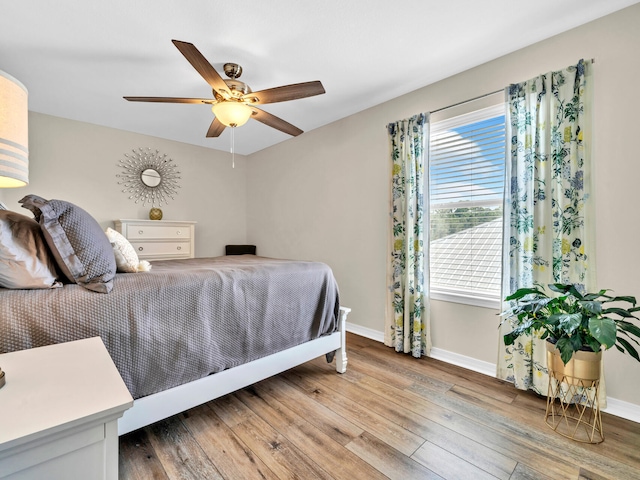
{"x": 467, "y": 163}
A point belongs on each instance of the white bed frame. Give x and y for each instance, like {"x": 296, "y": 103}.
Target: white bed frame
{"x": 150, "y": 409}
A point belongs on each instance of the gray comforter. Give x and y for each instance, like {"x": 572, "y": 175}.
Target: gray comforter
{"x": 184, "y": 319}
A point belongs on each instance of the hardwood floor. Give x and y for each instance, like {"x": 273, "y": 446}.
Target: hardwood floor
{"x": 389, "y": 416}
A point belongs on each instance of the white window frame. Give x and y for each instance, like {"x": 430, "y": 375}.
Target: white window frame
{"x": 457, "y": 295}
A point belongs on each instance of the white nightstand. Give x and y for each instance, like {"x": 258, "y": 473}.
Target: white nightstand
{"x": 159, "y": 239}
{"x": 59, "y": 411}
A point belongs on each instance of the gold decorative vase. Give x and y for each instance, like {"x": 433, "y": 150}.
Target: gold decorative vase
{"x": 573, "y": 408}
{"x": 155, "y": 214}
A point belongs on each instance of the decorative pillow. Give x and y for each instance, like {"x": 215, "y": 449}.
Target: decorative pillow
{"x": 25, "y": 260}
{"x": 126, "y": 257}
{"x": 77, "y": 242}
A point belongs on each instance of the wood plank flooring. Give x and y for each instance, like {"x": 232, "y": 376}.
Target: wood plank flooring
{"x": 389, "y": 416}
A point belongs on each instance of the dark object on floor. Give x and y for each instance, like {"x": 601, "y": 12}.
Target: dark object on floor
{"x": 240, "y": 249}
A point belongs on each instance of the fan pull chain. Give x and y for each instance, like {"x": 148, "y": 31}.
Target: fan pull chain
{"x": 233, "y": 153}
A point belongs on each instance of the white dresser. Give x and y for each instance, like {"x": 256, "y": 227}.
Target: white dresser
{"x": 159, "y": 239}
{"x": 60, "y": 407}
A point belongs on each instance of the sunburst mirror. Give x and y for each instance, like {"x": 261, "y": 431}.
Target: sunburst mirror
{"x": 149, "y": 177}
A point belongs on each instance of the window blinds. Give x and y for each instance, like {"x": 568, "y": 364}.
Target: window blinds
{"x": 466, "y": 190}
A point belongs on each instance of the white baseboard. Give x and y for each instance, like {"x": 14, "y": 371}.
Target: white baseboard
{"x": 619, "y": 408}
{"x": 463, "y": 361}
{"x": 622, "y": 409}
{"x": 365, "y": 332}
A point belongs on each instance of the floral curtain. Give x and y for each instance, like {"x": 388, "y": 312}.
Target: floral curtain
{"x": 549, "y": 224}
{"x": 407, "y": 320}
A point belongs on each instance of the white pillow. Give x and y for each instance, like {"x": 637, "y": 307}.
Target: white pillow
{"x": 126, "y": 257}
{"x": 25, "y": 261}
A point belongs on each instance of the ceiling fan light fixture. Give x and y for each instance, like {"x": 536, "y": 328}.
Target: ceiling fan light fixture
{"x": 231, "y": 114}
{"x": 233, "y": 101}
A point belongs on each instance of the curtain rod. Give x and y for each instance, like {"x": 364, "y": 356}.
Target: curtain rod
{"x": 467, "y": 101}
{"x": 593, "y": 60}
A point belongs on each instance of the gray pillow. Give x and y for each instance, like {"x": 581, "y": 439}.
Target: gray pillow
{"x": 25, "y": 259}
{"x": 80, "y": 247}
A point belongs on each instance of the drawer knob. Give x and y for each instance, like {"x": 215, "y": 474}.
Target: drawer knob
{"x": 179, "y": 232}
{"x": 140, "y": 232}
{"x": 140, "y": 249}
{"x": 179, "y": 248}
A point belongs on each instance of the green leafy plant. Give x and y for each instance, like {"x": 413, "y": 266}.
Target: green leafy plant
{"x": 572, "y": 320}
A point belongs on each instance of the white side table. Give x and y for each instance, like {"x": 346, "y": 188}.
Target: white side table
{"x": 59, "y": 411}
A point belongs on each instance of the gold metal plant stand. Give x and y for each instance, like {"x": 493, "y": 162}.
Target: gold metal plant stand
{"x": 573, "y": 409}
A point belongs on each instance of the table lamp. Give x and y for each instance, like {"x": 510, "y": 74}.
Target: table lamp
{"x": 14, "y": 139}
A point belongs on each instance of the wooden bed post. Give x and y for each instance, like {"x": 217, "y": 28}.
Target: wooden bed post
{"x": 341, "y": 353}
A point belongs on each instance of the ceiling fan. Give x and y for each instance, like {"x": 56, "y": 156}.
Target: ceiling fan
{"x": 234, "y": 102}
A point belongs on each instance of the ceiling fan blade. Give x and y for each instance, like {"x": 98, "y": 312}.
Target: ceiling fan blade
{"x": 275, "y": 122}
{"x": 285, "y": 93}
{"x": 215, "y": 129}
{"x": 204, "y": 68}
{"x": 169, "y": 99}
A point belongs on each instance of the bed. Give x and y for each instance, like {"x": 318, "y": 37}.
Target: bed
{"x": 186, "y": 331}
{"x": 189, "y": 330}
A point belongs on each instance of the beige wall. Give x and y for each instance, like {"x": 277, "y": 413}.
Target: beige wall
{"x": 324, "y": 195}
{"x": 78, "y": 162}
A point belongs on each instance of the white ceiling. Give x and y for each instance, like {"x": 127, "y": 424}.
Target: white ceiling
{"x": 78, "y": 58}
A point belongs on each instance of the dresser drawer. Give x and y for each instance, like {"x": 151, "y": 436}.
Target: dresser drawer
{"x": 146, "y": 232}
{"x": 159, "y": 239}
{"x": 159, "y": 250}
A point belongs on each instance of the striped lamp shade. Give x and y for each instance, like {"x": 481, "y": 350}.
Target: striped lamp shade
{"x": 14, "y": 133}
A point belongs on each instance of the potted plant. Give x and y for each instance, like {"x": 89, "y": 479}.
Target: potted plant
{"x": 577, "y": 328}
{"x": 574, "y": 321}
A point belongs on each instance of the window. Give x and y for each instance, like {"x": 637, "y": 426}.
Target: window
{"x": 466, "y": 185}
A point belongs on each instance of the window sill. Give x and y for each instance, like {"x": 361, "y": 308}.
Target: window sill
{"x": 493, "y": 303}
